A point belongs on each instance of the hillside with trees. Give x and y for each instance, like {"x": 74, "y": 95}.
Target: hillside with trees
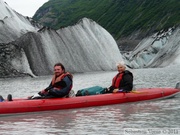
{"x": 124, "y": 19}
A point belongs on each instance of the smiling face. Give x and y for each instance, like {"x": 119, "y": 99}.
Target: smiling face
{"x": 58, "y": 71}
{"x": 121, "y": 68}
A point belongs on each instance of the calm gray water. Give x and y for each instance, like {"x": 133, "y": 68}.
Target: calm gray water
{"x": 104, "y": 120}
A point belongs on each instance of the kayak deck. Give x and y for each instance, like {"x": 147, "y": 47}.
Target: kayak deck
{"x": 36, "y": 105}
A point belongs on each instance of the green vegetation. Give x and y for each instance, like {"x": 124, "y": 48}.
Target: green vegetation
{"x": 119, "y": 17}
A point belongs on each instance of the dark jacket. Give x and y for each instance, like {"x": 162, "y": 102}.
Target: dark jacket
{"x": 126, "y": 83}
{"x": 65, "y": 84}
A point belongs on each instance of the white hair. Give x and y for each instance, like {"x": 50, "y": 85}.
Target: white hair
{"x": 122, "y": 63}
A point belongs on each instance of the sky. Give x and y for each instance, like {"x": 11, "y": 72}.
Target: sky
{"x": 25, "y": 7}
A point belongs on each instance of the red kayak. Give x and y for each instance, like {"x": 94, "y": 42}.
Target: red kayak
{"x": 23, "y": 105}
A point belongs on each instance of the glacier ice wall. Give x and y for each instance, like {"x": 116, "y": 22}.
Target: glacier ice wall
{"x": 83, "y": 47}
{"x": 159, "y": 50}
{"x": 29, "y": 48}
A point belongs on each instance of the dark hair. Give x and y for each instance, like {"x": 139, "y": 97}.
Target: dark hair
{"x": 61, "y": 65}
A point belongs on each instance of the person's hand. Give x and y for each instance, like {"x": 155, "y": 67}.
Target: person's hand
{"x": 115, "y": 90}
{"x": 43, "y": 91}
{"x": 121, "y": 90}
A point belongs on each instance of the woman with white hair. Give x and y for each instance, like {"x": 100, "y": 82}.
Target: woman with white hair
{"x": 123, "y": 81}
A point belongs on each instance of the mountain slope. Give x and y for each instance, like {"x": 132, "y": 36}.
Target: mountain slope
{"x": 120, "y": 17}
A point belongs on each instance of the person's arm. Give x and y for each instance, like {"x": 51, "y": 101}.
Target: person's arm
{"x": 49, "y": 87}
{"x": 65, "y": 89}
{"x": 46, "y": 89}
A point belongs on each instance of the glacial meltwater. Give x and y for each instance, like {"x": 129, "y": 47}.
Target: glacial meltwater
{"x": 130, "y": 118}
